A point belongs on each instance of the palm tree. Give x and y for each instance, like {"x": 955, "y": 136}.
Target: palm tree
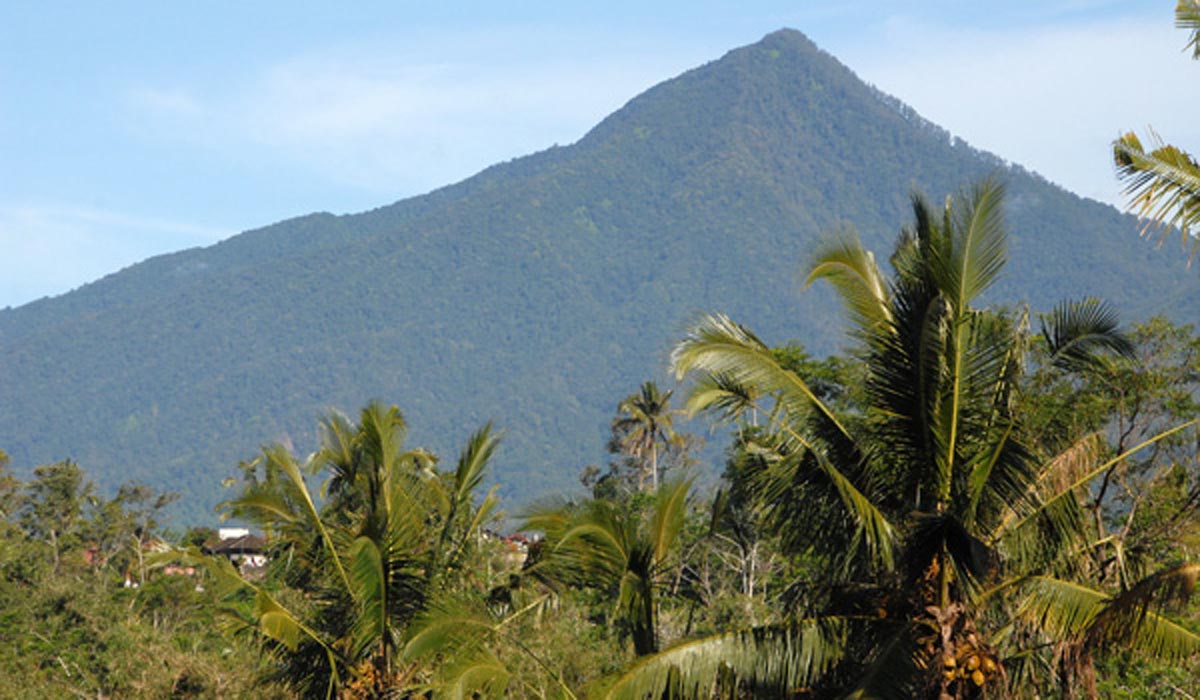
{"x": 631, "y": 555}
{"x": 953, "y": 553}
{"x": 644, "y": 423}
{"x": 1163, "y": 183}
{"x": 392, "y": 533}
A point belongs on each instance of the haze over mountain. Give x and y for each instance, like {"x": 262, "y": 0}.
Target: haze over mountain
{"x": 536, "y": 293}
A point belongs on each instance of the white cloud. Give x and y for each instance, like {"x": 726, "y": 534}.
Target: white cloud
{"x": 397, "y": 121}
{"x": 49, "y": 249}
{"x": 398, "y": 125}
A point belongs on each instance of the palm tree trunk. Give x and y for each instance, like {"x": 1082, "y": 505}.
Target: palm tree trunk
{"x": 645, "y": 640}
{"x": 654, "y": 465}
{"x": 137, "y": 545}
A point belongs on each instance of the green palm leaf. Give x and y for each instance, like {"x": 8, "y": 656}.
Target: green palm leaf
{"x": 1163, "y": 185}
{"x": 723, "y": 394}
{"x": 1070, "y": 611}
{"x": 719, "y": 346}
{"x": 369, "y": 579}
{"x": 456, "y": 633}
{"x": 669, "y": 517}
{"x": 1187, "y": 16}
{"x": 852, "y": 271}
{"x": 971, "y": 252}
{"x": 967, "y": 259}
{"x": 784, "y": 658}
{"x": 1078, "y": 334}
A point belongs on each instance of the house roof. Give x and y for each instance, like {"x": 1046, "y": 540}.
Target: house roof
{"x": 246, "y": 544}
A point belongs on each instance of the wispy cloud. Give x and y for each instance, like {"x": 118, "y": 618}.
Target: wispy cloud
{"x": 398, "y": 124}
{"x": 49, "y": 249}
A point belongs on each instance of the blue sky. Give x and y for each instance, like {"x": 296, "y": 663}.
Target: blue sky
{"x": 133, "y": 129}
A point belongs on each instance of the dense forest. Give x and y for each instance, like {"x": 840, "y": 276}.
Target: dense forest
{"x": 972, "y": 501}
{"x": 536, "y": 293}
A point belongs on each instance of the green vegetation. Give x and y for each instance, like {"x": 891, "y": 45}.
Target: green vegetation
{"x": 393, "y": 534}
{"x": 956, "y": 551}
{"x": 82, "y": 614}
{"x": 975, "y": 501}
{"x": 535, "y": 294}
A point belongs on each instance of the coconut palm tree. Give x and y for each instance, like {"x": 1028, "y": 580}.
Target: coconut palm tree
{"x": 954, "y": 556}
{"x": 630, "y": 554}
{"x": 1163, "y": 182}
{"x": 392, "y": 532}
{"x": 644, "y": 423}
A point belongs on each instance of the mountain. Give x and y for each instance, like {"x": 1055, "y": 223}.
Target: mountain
{"x": 537, "y": 293}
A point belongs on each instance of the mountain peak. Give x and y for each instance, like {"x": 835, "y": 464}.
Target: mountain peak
{"x": 537, "y": 293}
{"x": 789, "y": 38}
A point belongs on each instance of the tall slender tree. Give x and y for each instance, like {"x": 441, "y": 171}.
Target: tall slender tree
{"x": 644, "y": 429}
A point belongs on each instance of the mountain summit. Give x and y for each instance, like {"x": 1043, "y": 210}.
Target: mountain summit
{"x": 536, "y": 293}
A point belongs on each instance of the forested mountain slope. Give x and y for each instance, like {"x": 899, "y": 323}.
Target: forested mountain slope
{"x": 536, "y": 293}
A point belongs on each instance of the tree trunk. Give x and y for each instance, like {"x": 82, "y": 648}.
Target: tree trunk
{"x": 654, "y": 466}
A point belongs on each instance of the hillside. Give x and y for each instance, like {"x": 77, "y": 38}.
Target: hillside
{"x": 536, "y": 293}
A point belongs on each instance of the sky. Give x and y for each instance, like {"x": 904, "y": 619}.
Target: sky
{"x": 132, "y": 129}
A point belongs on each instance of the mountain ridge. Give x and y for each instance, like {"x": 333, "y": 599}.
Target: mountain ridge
{"x": 537, "y": 292}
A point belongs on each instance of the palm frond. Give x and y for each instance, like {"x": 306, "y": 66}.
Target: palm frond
{"x": 1069, "y": 491}
{"x": 973, "y": 252}
{"x": 468, "y": 475}
{"x": 721, "y": 393}
{"x": 893, "y": 671}
{"x": 1163, "y": 185}
{"x": 370, "y": 592}
{"x": 309, "y": 510}
{"x": 456, "y": 635}
{"x": 452, "y": 637}
{"x": 381, "y": 431}
{"x": 670, "y": 514}
{"x": 338, "y": 436}
{"x": 1048, "y": 518}
{"x": 1078, "y": 334}
{"x": 1187, "y": 16}
{"x": 268, "y": 617}
{"x": 473, "y": 462}
{"x": 717, "y": 345}
{"x": 852, "y": 271}
{"x": 873, "y": 524}
{"x": 971, "y": 255}
{"x": 786, "y": 659}
{"x": 999, "y": 477}
{"x": 1072, "y": 464}
{"x": 1071, "y": 612}
{"x": 1126, "y": 613}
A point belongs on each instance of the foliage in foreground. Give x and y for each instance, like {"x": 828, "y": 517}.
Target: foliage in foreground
{"x": 70, "y": 624}
{"x": 958, "y": 550}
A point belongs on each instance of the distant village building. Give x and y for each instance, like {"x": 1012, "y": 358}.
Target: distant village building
{"x": 242, "y": 549}
{"x": 513, "y": 549}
